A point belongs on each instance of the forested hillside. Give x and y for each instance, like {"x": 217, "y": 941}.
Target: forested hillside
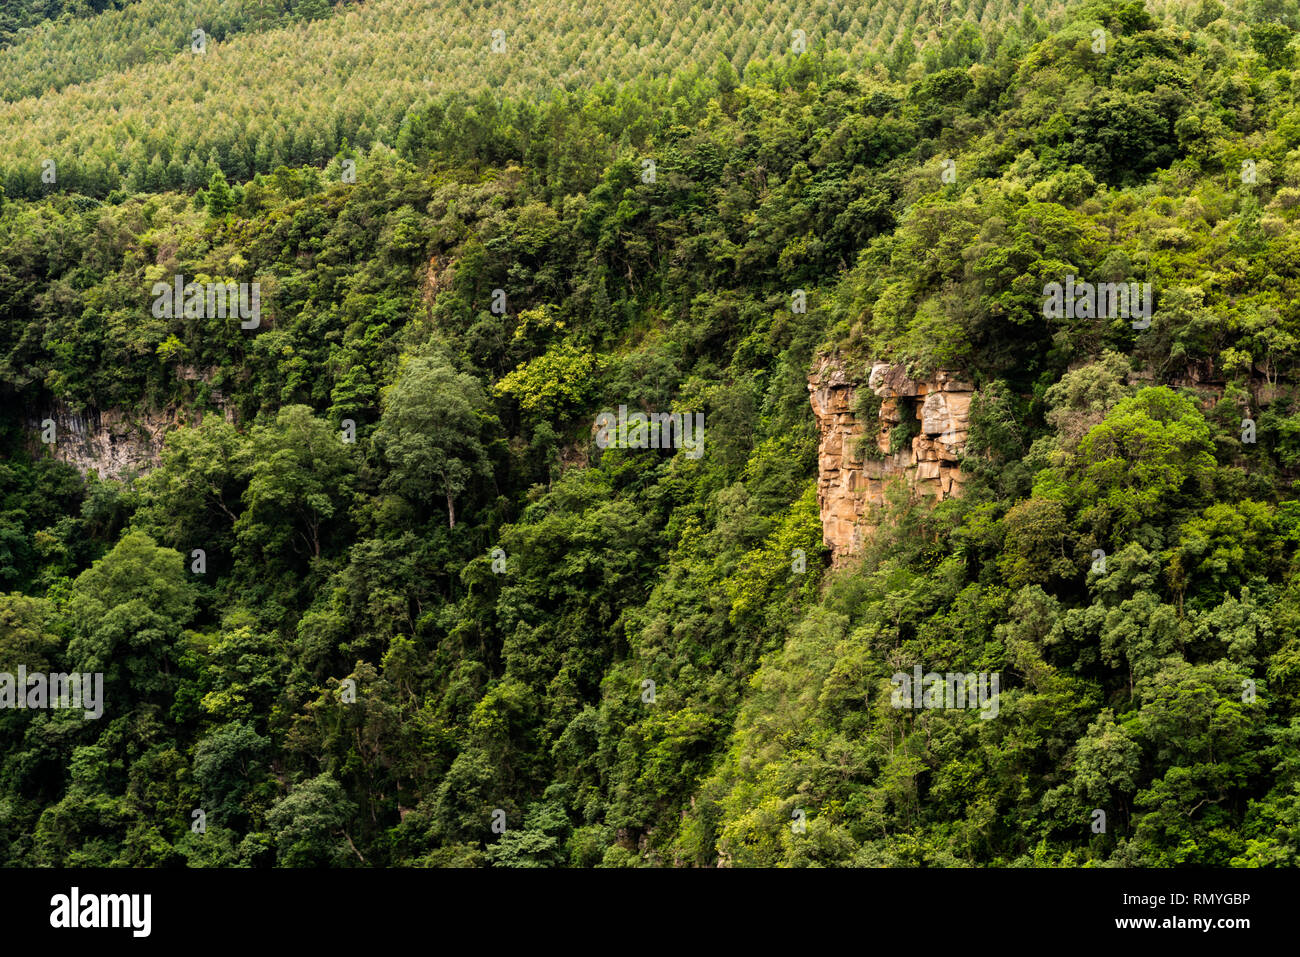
{"x": 127, "y": 100}
{"x": 384, "y": 597}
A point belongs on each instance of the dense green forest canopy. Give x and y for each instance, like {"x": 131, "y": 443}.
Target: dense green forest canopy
{"x": 127, "y": 100}
{"x": 17, "y": 16}
{"x": 383, "y": 589}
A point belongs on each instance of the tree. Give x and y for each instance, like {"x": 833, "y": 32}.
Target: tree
{"x": 310, "y": 825}
{"x": 192, "y": 499}
{"x": 230, "y": 765}
{"x": 1272, "y": 42}
{"x": 430, "y": 430}
{"x": 300, "y": 473}
{"x": 1120, "y": 136}
{"x": 552, "y": 384}
{"x": 1225, "y": 547}
{"x": 1150, "y": 455}
{"x": 538, "y": 843}
{"x": 1083, "y": 396}
{"x": 220, "y": 197}
{"x": 25, "y": 638}
{"x": 1107, "y": 763}
{"x": 127, "y": 613}
{"x": 1035, "y": 543}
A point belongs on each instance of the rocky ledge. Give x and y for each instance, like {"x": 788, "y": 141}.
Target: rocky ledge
{"x": 850, "y": 482}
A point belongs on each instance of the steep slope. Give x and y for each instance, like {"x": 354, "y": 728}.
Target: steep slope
{"x": 124, "y": 101}
{"x": 384, "y": 588}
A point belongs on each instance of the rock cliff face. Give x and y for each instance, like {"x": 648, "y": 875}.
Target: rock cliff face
{"x": 850, "y": 482}
{"x": 106, "y": 442}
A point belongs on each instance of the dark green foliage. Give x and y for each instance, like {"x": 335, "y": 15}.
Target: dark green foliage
{"x": 432, "y": 601}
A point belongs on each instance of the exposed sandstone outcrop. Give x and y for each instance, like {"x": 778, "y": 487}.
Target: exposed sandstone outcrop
{"x": 850, "y": 483}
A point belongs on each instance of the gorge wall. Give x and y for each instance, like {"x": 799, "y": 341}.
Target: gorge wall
{"x": 106, "y": 442}
{"x": 852, "y": 478}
